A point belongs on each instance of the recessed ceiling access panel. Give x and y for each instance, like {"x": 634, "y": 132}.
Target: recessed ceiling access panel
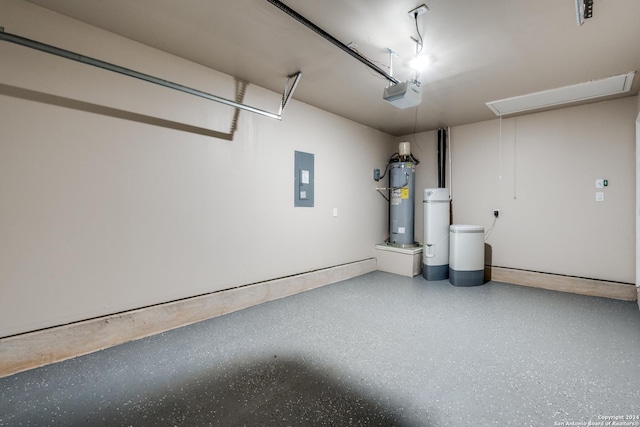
{"x": 303, "y": 180}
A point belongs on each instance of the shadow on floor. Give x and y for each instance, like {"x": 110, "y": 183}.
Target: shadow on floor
{"x": 274, "y": 392}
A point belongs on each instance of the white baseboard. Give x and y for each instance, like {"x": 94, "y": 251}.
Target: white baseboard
{"x": 34, "y": 349}
{"x": 556, "y": 282}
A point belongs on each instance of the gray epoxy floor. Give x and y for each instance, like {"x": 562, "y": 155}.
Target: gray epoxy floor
{"x": 379, "y": 349}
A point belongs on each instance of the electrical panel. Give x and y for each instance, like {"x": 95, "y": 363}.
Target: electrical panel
{"x": 303, "y": 180}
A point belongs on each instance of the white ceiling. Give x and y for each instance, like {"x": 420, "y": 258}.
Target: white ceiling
{"x": 481, "y": 51}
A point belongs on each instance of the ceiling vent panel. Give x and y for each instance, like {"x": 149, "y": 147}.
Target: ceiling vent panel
{"x": 564, "y": 95}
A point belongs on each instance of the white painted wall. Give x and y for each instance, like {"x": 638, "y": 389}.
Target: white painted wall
{"x": 100, "y": 214}
{"x": 542, "y": 177}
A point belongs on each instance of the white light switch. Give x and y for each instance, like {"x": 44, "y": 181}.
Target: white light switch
{"x": 599, "y": 196}
{"x": 599, "y": 183}
{"x": 335, "y": 211}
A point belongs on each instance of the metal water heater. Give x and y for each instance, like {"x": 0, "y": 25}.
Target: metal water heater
{"x": 401, "y": 204}
{"x": 401, "y": 198}
{"x": 402, "y": 169}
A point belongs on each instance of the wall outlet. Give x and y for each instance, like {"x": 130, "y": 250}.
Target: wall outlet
{"x": 496, "y": 213}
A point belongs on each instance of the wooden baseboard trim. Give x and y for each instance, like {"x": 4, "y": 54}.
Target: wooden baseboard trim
{"x": 576, "y": 285}
{"x": 34, "y": 349}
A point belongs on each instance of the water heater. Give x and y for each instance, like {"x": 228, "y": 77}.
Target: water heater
{"x": 401, "y": 197}
{"x": 402, "y": 169}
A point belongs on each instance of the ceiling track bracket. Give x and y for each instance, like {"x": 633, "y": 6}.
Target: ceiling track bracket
{"x": 53, "y": 50}
{"x": 287, "y": 94}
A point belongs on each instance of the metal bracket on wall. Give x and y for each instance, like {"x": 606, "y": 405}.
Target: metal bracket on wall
{"x": 53, "y": 50}
{"x": 286, "y": 96}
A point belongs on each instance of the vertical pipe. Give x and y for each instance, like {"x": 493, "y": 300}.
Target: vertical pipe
{"x": 439, "y": 157}
{"x": 444, "y": 157}
{"x": 450, "y": 176}
{"x": 579, "y": 15}
{"x": 450, "y": 163}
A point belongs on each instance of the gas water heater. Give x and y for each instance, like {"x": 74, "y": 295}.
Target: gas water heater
{"x": 402, "y": 169}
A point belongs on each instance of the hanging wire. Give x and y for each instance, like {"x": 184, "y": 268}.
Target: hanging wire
{"x": 419, "y": 45}
{"x": 415, "y": 17}
{"x": 415, "y": 121}
{"x": 375, "y": 75}
{"x": 379, "y": 63}
{"x": 415, "y": 126}
{"x": 490, "y": 229}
